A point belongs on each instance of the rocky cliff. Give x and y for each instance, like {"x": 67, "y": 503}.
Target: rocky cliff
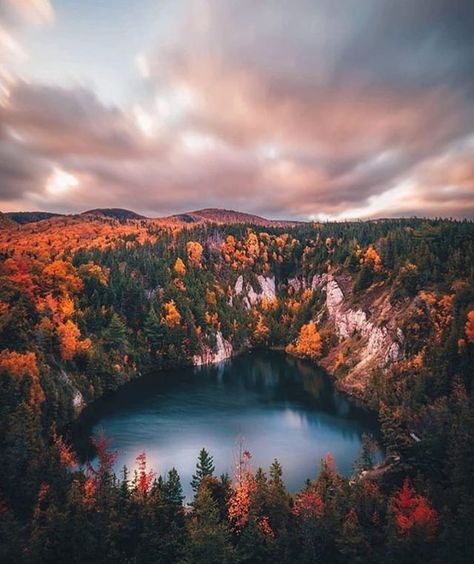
{"x": 363, "y": 336}
{"x": 368, "y": 334}
{"x": 222, "y": 351}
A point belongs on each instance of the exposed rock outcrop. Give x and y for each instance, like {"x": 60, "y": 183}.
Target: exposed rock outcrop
{"x": 368, "y": 335}
{"x": 375, "y": 339}
{"x": 78, "y": 403}
{"x": 222, "y": 351}
{"x": 250, "y": 295}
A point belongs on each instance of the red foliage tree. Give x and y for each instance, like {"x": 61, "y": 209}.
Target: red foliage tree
{"x": 309, "y": 503}
{"x": 144, "y": 477}
{"x": 67, "y": 456}
{"x": 413, "y": 513}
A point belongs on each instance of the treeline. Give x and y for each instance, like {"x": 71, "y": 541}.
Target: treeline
{"x": 75, "y": 325}
{"x": 92, "y": 516}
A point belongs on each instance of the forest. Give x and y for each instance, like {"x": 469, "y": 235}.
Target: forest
{"x": 88, "y": 304}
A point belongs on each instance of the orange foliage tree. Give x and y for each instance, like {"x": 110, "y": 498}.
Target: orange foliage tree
{"x": 469, "y": 326}
{"x": 373, "y": 259}
{"x": 67, "y": 456}
{"x": 61, "y": 276}
{"x": 69, "y": 340}
{"x": 179, "y": 267}
{"x": 194, "y": 250}
{"x": 23, "y": 365}
{"x": 308, "y": 344}
{"x": 171, "y": 316}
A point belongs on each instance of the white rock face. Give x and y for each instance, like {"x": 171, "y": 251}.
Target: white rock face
{"x": 334, "y": 297}
{"x": 268, "y": 287}
{"x": 251, "y": 297}
{"x": 222, "y": 352}
{"x": 319, "y": 281}
{"x": 297, "y": 284}
{"x": 382, "y": 344}
{"x": 78, "y": 401}
{"x": 239, "y": 285}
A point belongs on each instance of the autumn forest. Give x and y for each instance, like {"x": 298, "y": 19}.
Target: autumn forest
{"x": 91, "y": 302}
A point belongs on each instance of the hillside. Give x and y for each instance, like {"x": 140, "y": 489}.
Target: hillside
{"x": 114, "y": 213}
{"x": 88, "y": 303}
{"x": 31, "y": 217}
{"x": 51, "y": 233}
{"x": 222, "y": 216}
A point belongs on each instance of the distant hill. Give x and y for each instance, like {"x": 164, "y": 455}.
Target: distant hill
{"x": 207, "y": 215}
{"x": 216, "y": 215}
{"x": 30, "y": 217}
{"x": 114, "y": 213}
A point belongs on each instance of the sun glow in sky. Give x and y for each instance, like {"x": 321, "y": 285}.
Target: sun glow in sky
{"x": 60, "y": 182}
{"x": 299, "y": 109}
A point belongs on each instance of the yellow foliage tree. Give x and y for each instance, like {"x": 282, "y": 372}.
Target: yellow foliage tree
{"x": 251, "y": 244}
{"x": 211, "y": 298}
{"x": 261, "y": 332}
{"x": 91, "y": 270}
{"x": 308, "y": 344}
{"x": 171, "y": 316}
{"x": 179, "y": 267}
{"x": 194, "y": 250}
{"x": 228, "y": 248}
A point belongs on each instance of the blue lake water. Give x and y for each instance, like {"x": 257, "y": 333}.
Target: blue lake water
{"x": 281, "y": 407}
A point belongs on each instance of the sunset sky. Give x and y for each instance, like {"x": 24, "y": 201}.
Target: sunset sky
{"x": 305, "y": 109}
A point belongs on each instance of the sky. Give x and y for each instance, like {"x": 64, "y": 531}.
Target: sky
{"x": 297, "y": 109}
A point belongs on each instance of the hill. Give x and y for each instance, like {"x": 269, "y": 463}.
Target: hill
{"x": 89, "y": 302}
{"x": 114, "y": 213}
{"x": 223, "y": 216}
{"x": 31, "y": 217}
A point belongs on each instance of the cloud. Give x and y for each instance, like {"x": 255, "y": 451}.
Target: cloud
{"x": 319, "y": 109}
{"x": 15, "y": 16}
{"x": 59, "y": 122}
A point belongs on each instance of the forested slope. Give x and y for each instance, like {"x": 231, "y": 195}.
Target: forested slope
{"x": 387, "y": 307}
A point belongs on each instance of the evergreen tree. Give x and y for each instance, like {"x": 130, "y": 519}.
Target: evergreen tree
{"x": 210, "y": 540}
{"x": 153, "y": 329}
{"x": 278, "y": 498}
{"x": 115, "y": 335}
{"x": 204, "y": 467}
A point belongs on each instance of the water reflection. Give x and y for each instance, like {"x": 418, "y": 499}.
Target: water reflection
{"x": 284, "y": 407}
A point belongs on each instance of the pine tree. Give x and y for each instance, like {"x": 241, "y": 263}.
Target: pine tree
{"x": 366, "y": 459}
{"x": 116, "y": 332}
{"x": 204, "y": 467}
{"x": 279, "y": 501}
{"x": 172, "y": 489}
{"x": 153, "y": 329}
{"x": 210, "y": 540}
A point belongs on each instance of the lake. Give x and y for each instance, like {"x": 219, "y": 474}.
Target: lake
{"x": 280, "y": 406}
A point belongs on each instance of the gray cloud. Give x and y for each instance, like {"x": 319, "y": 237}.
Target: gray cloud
{"x": 312, "y": 107}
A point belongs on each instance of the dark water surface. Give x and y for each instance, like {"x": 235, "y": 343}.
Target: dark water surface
{"x": 283, "y": 408}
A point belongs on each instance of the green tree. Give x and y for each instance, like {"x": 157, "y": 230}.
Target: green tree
{"x": 153, "y": 329}
{"x": 116, "y": 333}
{"x": 204, "y": 467}
{"x": 210, "y": 540}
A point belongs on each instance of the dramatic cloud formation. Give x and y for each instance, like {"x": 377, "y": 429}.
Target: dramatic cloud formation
{"x": 302, "y": 109}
